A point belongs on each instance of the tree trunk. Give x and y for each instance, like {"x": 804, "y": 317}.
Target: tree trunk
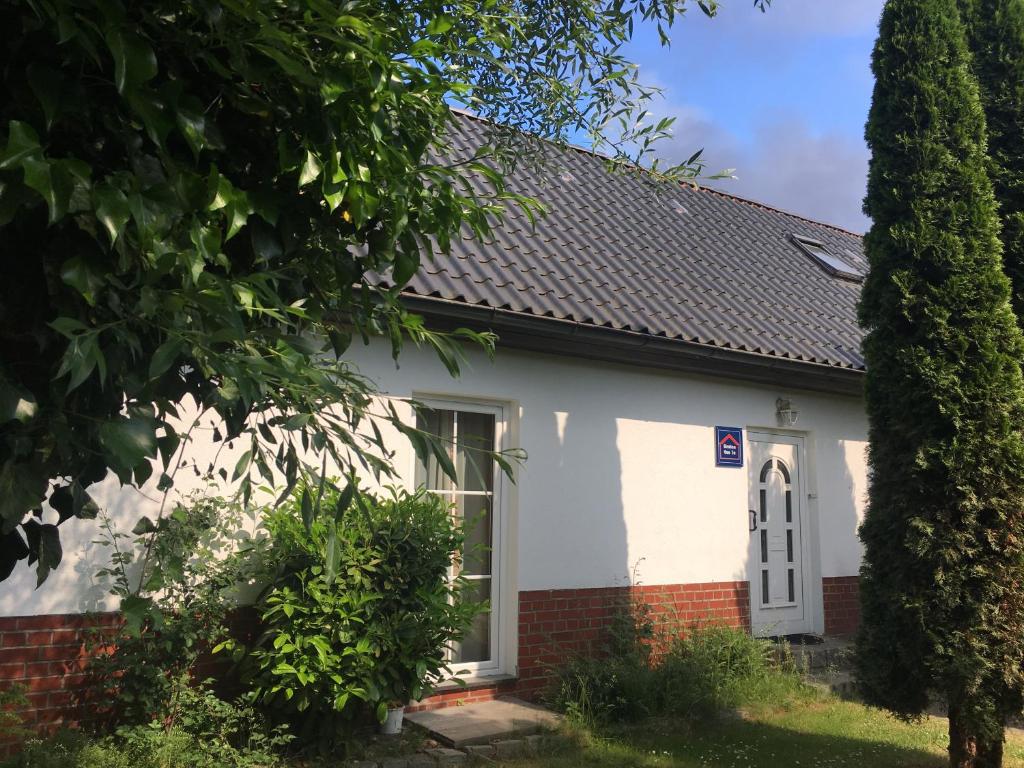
{"x": 966, "y": 749}
{"x": 990, "y": 755}
{"x": 963, "y": 747}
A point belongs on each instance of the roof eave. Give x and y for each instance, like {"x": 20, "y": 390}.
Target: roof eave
{"x": 533, "y": 333}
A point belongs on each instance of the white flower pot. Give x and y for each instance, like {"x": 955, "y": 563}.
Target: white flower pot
{"x": 392, "y": 725}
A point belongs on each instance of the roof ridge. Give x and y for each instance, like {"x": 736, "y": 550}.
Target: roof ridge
{"x": 692, "y": 184}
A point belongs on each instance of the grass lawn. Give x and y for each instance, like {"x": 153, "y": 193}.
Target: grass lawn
{"x": 821, "y": 731}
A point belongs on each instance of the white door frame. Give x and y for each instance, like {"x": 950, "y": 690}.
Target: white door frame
{"x": 504, "y": 597}
{"x": 809, "y": 599}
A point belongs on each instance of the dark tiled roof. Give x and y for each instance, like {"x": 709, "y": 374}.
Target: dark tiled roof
{"x": 695, "y": 265}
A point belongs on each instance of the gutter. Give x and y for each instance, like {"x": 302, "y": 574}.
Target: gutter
{"x": 549, "y": 335}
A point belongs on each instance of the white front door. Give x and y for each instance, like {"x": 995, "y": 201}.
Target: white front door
{"x": 776, "y": 516}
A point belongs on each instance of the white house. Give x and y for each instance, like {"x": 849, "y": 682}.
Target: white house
{"x": 682, "y": 368}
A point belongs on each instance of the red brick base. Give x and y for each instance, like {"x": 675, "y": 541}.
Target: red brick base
{"x": 46, "y": 657}
{"x": 841, "y": 601}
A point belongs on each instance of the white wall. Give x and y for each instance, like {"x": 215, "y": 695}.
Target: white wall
{"x": 620, "y": 474}
{"x": 621, "y": 468}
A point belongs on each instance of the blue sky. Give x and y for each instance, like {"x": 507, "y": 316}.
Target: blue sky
{"x": 781, "y": 97}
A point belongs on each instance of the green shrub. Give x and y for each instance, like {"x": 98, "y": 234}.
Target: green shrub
{"x": 73, "y": 749}
{"x": 200, "y": 731}
{"x": 172, "y": 586}
{"x": 714, "y": 668}
{"x": 614, "y": 681}
{"x": 694, "y": 672}
{"x": 235, "y": 731}
{"x": 13, "y": 704}
{"x": 139, "y": 747}
{"x": 360, "y": 607}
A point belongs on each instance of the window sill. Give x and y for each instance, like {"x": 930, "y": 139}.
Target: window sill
{"x": 474, "y": 682}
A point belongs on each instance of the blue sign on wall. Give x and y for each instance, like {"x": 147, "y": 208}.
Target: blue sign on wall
{"x": 728, "y": 447}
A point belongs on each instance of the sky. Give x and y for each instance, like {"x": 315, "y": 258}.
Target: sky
{"x": 781, "y": 97}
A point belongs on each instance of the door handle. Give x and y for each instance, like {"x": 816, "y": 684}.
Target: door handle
{"x": 753, "y": 520}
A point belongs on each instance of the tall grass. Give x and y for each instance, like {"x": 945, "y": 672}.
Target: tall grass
{"x": 692, "y": 671}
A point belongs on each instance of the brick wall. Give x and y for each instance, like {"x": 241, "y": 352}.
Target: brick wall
{"x": 47, "y": 656}
{"x": 556, "y": 623}
{"x": 841, "y": 601}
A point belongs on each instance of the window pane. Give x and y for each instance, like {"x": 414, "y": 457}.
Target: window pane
{"x": 792, "y": 588}
{"x": 476, "y": 511}
{"x": 473, "y": 452}
{"x": 764, "y": 587}
{"x": 442, "y": 425}
{"x": 476, "y": 645}
{"x": 764, "y": 546}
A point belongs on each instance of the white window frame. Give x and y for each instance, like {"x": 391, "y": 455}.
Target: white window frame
{"x": 504, "y": 598}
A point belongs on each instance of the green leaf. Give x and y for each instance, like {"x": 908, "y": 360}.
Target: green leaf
{"x": 144, "y": 526}
{"x": 297, "y": 421}
{"x": 193, "y": 127}
{"x": 82, "y": 356}
{"x": 154, "y": 112}
{"x": 44, "y": 548}
{"x": 340, "y": 341}
{"x": 134, "y": 60}
{"x": 46, "y": 85}
{"x": 310, "y": 169}
{"x": 344, "y": 501}
{"x": 16, "y": 404}
{"x": 12, "y": 196}
{"x": 207, "y": 243}
{"x": 80, "y": 275}
{"x": 242, "y": 465}
{"x": 167, "y": 445}
{"x": 128, "y": 442}
{"x": 165, "y": 356}
{"x": 22, "y": 488}
{"x": 406, "y": 265}
{"x": 51, "y": 180}
{"x": 22, "y": 143}
{"x": 82, "y": 504}
{"x": 306, "y": 505}
{"x": 69, "y": 327}
{"x": 112, "y": 210}
{"x": 439, "y": 25}
{"x": 136, "y": 610}
{"x": 332, "y": 555}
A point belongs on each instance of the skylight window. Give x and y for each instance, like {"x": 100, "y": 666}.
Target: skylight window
{"x": 827, "y": 260}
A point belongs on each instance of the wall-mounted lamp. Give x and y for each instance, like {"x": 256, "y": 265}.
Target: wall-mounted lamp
{"x": 786, "y": 413}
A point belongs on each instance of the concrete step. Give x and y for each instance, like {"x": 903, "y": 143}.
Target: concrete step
{"x": 483, "y": 723}
{"x": 833, "y": 654}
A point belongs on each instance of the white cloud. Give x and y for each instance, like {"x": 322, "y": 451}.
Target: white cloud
{"x": 787, "y": 165}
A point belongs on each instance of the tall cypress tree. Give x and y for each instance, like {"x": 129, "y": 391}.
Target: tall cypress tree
{"x": 995, "y": 35}
{"x": 941, "y": 584}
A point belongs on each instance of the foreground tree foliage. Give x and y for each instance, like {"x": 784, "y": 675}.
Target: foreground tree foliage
{"x": 196, "y": 200}
{"x": 996, "y": 39}
{"x": 941, "y": 586}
